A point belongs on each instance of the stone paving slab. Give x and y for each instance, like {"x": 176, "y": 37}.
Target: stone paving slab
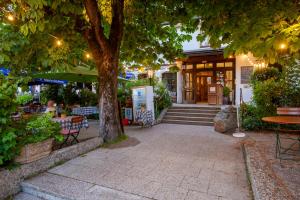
{"x": 170, "y": 162}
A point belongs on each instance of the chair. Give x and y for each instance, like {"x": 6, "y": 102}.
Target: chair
{"x": 73, "y": 130}
{"x": 280, "y": 149}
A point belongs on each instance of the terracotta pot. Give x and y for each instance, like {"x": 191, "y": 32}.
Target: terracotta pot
{"x": 35, "y": 151}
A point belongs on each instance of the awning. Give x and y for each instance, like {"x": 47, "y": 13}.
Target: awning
{"x": 42, "y": 81}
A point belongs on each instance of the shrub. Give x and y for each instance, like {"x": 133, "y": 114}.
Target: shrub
{"x": 70, "y": 97}
{"x": 40, "y": 128}
{"x": 24, "y": 98}
{"x": 88, "y": 98}
{"x": 264, "y": 74}
{"x": 162, "y": 98}
{"x": 226, "y": 91}
{"x": 52, "y": 92}
{"x": 8, "y": 105}
{"x": 267, "y": 96}
{"x": 292, "y": 85}
{"x": 251, "y": 120}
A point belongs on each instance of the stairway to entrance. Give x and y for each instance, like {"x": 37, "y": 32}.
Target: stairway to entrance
{"x": 191, "y": 115}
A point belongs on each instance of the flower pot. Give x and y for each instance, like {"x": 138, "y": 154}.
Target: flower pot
{"x": 63, "y": 115}
{"x": 225, "y": 100}
{"x": 35, "y": 151}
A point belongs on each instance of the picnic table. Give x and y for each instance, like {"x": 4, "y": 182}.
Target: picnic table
{"x": 66, "y": 123}
{"x": 284, "y": 120}
{"x": 84, "y": 111}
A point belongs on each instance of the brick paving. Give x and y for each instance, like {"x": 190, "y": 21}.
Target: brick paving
{"x": 170, "y": 162}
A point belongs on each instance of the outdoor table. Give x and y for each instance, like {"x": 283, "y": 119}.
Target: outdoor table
{"x": 284, "y": 120}
{"x": 84, "y": 111}
{"x": 65, "y": 123}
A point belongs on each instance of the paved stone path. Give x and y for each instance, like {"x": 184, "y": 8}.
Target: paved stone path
{"x": 170, "y": 162}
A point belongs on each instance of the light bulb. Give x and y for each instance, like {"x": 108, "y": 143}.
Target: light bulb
{"x": 282, "y": 46}
{"x": 58, "y": 43}
{"x": 10, "y": 17}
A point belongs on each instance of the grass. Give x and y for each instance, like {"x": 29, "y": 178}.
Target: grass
{"x": 119, "y": 139}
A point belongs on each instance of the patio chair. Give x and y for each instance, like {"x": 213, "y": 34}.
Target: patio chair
{"x": 73, "y": 130}
{"x": 280, "y": 148}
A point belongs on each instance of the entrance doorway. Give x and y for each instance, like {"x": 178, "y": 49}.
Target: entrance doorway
{"x": 203, "y": 79}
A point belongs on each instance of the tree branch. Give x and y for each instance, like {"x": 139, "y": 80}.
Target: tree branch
{"x": 117, "y": 25}
{"x": 94, "y": 15}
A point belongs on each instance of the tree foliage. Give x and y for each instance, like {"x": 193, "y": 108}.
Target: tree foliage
{"x": 30, "y": 40}
{"x": 258, "y": 26}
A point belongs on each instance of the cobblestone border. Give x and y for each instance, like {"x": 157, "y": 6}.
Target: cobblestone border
{"x": 249, "y": 172}
{"x": 10, "y": 179}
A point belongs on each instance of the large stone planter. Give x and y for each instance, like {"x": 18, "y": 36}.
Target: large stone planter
{"x": 35, "y": 151}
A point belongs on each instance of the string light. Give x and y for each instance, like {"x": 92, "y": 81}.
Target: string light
{"x": 10, "y": 17}
{"x": 88, "y": 56}
{"x": 282, "y": 46}
{"x": 256, "y": 64}
{"x": 58, "y": 42}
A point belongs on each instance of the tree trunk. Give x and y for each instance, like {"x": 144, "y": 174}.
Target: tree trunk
{"x": 110, "y": 125}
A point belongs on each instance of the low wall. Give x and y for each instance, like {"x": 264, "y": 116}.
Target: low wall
{"x": 10, "y": 179}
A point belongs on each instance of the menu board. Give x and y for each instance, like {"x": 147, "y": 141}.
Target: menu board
{"x": 139, "y": 97}
{"x": 246, "y": 72}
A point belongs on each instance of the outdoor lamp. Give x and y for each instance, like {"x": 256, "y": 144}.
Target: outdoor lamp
{"x": 150, "y": 76}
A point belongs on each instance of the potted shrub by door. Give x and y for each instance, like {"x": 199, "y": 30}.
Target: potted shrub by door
{"x": 37, "y": 139}
{"x": 226, "y": 93}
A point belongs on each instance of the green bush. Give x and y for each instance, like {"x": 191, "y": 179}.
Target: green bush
{"x": 267, "y": 96}
{"x": 264, "y": 74}
{"x": 162, "y": 98}
{"x": 88, "y": 98}
{"x": 40, "y": 128}
{"x": 70, "y": 97}
{"x": 8, "y": 105}
{"x": 52, "y": 92}
{"x": 251, "y": 120}
{"x": 292, "y": 85}
{"x": 24, "y": 98}
{"x": 226, "y": 91}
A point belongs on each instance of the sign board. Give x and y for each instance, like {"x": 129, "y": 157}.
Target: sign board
{"x": 246, "y": 72}
{"x": 143, "y": 96}
{"x": 128, "y": 113}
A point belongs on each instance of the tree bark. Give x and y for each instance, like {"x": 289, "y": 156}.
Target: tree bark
{"x": 106, "y": 56}
{"x": 110, "y": 127}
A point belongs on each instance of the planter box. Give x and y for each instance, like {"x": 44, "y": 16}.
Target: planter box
{"x": 35, "y": 151}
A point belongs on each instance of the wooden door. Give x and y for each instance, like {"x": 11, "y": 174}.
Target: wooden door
{"x": 202, "y": 88}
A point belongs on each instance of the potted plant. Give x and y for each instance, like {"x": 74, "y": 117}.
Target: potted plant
{"x": 226, "y": 93}
{"x": 36, "y": 141}
{"x": 63, "y": 114}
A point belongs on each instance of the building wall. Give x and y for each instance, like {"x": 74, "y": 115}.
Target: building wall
{"x": 242, "y": 60}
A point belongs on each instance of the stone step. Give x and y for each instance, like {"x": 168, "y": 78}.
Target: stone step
{"x": 193, "y": 111}
{"x": 25, "y": 196}
{"x": 184, "y": 114}
{"x": 50, "y": 186}
{"x": 185, "y": 118}
{"x": 197, "y": 108}
{"x": 199, "y": 123}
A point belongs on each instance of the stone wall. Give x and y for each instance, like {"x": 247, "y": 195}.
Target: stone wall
{"x": 10, "y": 179}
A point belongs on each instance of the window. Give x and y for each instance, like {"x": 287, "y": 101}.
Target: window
{"x": 200, "y": 66}
{"x": 228, "y": 64}
{"x": 220, "y": 65}
{"x": 189, "y": 66}
{"x": 208, "y": 65}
